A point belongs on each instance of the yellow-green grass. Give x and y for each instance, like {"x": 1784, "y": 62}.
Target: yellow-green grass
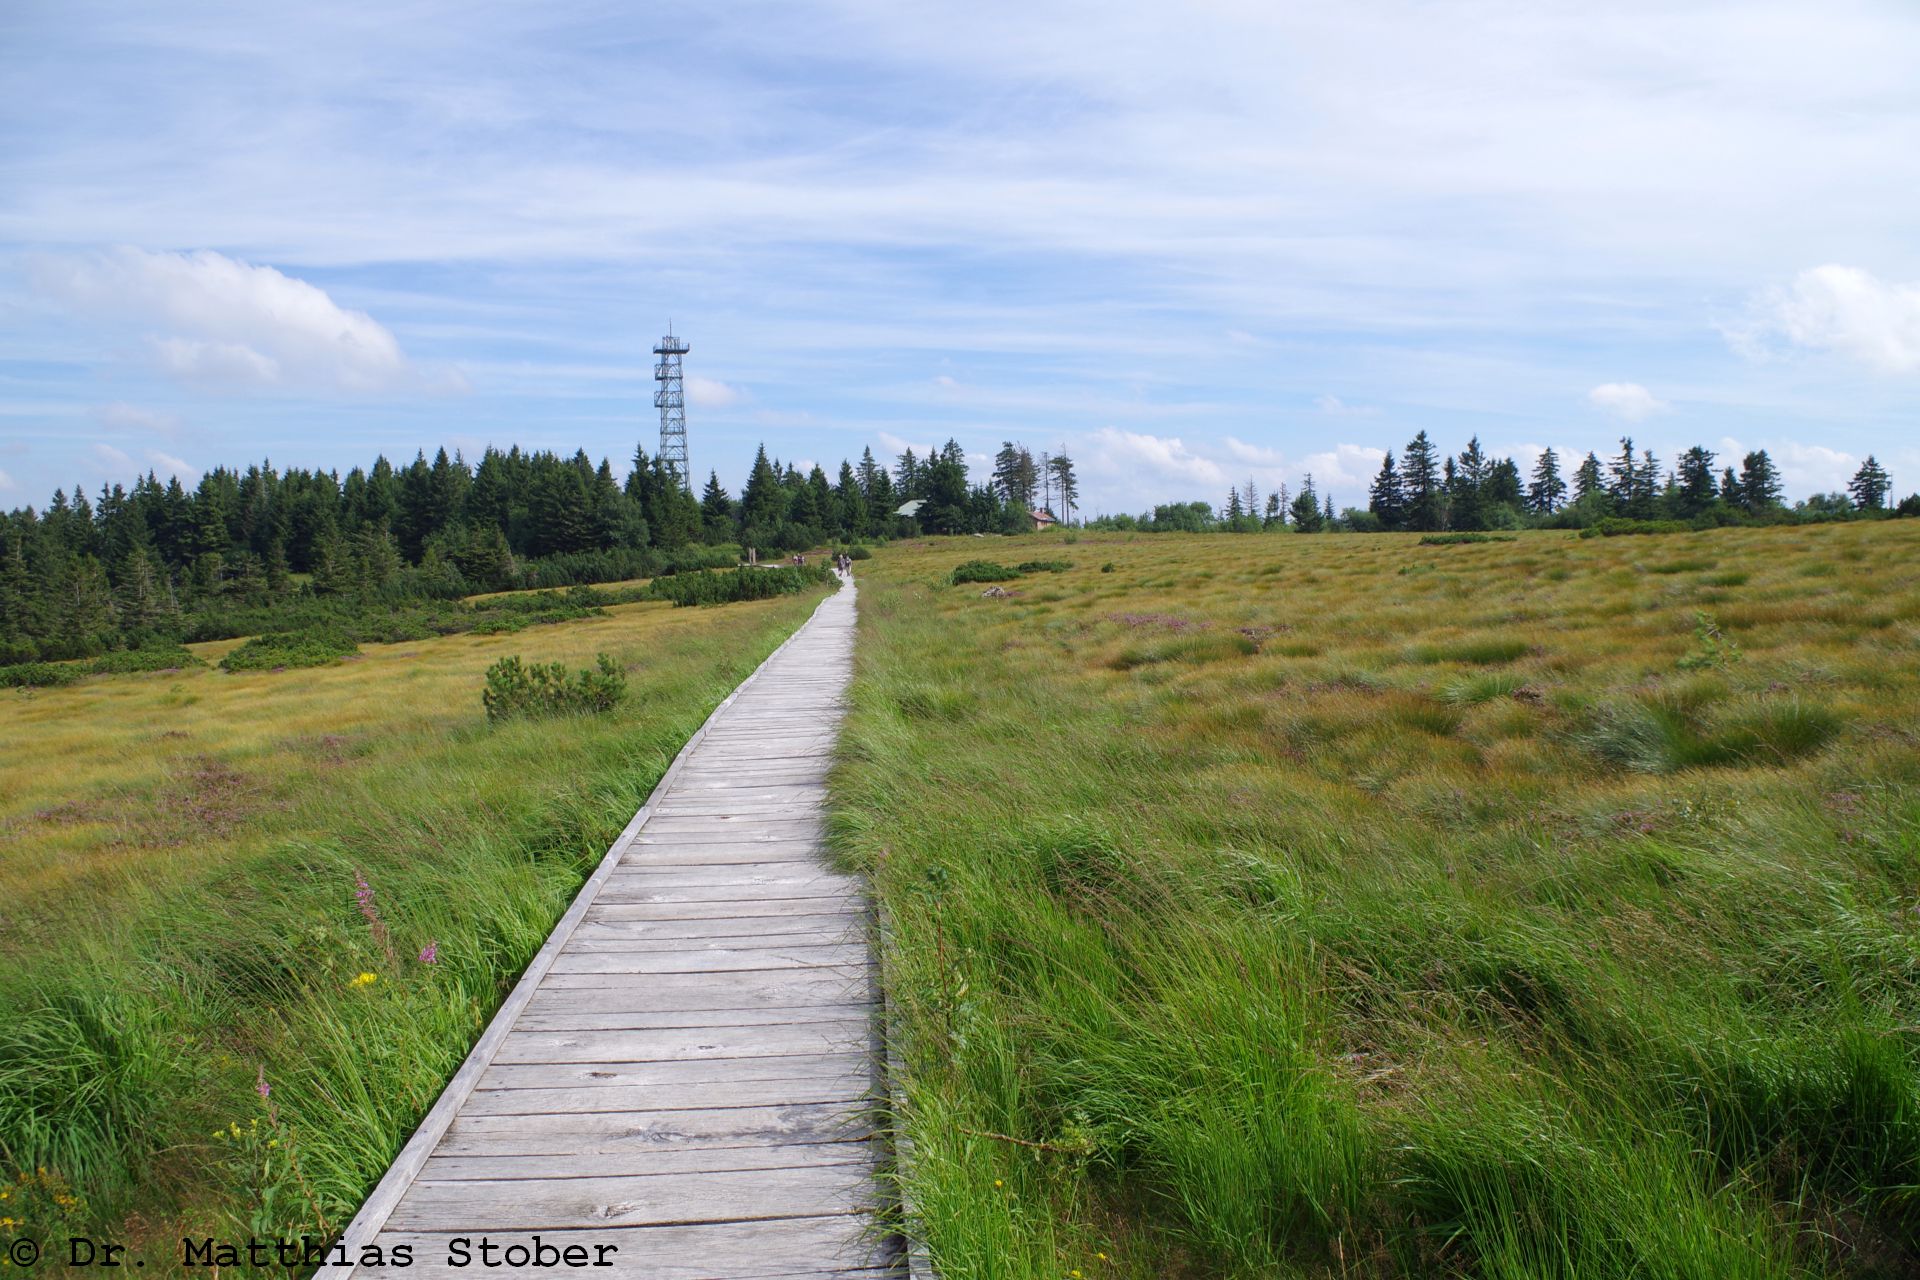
{"x": 1334, "y": 905}
{"x": 178, "y": 859}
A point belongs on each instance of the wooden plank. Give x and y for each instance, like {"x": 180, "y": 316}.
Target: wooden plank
{"x": 810, "y": 1247}
{"x": 590, "y": 1076}
{"x": 614, "y": 1133}
{"x": 634, "y": 1201}
{"x": 683, "y": 1043}
{"x": 820, "y": 955}
{"x": 752, "y": 1153}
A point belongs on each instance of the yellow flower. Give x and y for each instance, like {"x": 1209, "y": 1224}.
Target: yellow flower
{"x": 272, "y": 1143}
{"x": 1101, "y": 1256}
{"x": 365, "y": 980}
{"x": 999, "y": 1182}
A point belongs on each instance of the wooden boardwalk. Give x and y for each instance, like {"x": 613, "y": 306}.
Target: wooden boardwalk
{"x": 686, "y": 1070}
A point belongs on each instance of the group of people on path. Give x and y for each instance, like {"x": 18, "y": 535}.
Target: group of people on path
{"x": 842, "y": 563}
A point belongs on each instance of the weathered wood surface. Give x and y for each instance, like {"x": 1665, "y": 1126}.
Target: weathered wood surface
{"x": 688, "y": 1070}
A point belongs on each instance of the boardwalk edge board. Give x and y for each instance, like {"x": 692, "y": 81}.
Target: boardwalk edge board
{"x": 406, "y": 1167}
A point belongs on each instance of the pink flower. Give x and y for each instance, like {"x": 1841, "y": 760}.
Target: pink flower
{"x": 430, "y": 953}
{"x": 261, "y": 1087}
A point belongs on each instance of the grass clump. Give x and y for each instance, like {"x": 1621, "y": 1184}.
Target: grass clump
{"x": 1480, "y": 651}
{"x": 1043, "y": 566}
{"x": 516, "y": 688}
{"x": 1622, "y": 526}
{"x": 1463, "y": 539}
{"x": 288, "y": 649}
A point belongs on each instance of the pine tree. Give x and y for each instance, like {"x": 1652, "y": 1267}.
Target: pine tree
{"x": 1588, "y": 478}
{"x": 716, "y": 511}
{"x": 1306, "y": 506}
{"x": 1730, "y": 488}
{"x": 1759, "y": 482}
{"x": 1621, "y": 474}
{"x": 1275, "y": 517}
{"x": 1420, "y": 493}
{"x": 1870, "y": 485}
{"x": 1694, "y": 476}
{"x": 1066, "y": 485}
{"x": 1546, "y": 490}
{"x": 851, "y": 501}
{"x": 1383, "y": 497}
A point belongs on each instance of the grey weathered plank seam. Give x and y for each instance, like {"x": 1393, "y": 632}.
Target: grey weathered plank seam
{"x": 380, "y": 1203}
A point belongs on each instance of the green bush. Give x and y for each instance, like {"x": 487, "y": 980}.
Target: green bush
{"x": 515, "y": 688}
{"x": 37, "y": 675}
{"x": 981, "y": 571}
{"x": 171, "y": 657}
{"x": 313, "y": 648}
{"x": 705, "y": 587}
{"x": 1043, "y": 566}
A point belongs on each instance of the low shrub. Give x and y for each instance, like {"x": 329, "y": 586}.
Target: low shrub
{"x": 314, "y": 648}
{"x": 981, "y": 571}
{"x": 1458, "y": 539}
{"x": 1617, "y": 526}
{"x": 704, "y": 587}
{"x": 1043, "y": 566}
{"x": 38, "y": 675}
{"x": 170, "y": 657}
{"x": 519, "y": 689}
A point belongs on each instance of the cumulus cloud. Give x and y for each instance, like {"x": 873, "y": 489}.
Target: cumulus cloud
{"x": 6, "y": 482}
{"x": 711, "y": 393}
{"x": 231, "y": 323}
{"x": 1345, "y": 466}
{"x": 1628, "y": 400}
{"x": 1843, "y": 310}
{"x": 1166, "y": 458}
{"x": 897, "y": 446}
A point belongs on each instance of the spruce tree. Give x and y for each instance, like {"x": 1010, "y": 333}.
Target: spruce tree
{"x": 1870, "y": 485}
{"x": 1420, "y": 495}
{"x": 1546, "y": 490}
{"x": 1306, "y": 506}
{"x": 1759, "y": 482}
{"x": 1588, "y": 478}
{"x": 1383, "y": 497}
{"x": 1694, "y": 475}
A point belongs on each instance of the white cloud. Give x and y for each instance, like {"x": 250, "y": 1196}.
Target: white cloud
{"x": 942, "y": 380}
{"x": 896, "y": 446}
{"x": 6, "y": 482}
{"x": 711, "y": 393}
{"x": 1257, "y": 455}
{"x": 126, "y": 417}
{"x": 1843, "y": 310}
{"x": 1628, "y": 400}
{"x": 1339, "y": 408}
{"x": 229, "y": 322}
{"x": 1164, "y": 459}
{"x": 113, "y": 459}
{"x": 1345, "y": 466}
{"x": 165, "y": 464}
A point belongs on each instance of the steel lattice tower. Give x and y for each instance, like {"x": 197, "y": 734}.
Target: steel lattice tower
{"x": 671, "y": 400}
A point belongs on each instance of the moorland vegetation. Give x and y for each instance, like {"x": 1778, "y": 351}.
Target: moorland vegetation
{"x": 251, "y": 919}
{"x": 1540, "y": 907}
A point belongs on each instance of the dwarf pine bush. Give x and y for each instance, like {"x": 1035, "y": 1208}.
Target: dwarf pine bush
{"x": 516, "y": 688}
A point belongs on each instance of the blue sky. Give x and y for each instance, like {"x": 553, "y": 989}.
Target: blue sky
{"x": 1191, "y": 244}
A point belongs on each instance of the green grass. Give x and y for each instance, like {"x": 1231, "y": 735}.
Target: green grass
{"x": 1452, "y": 925}
{"x": 222, "y": 822}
